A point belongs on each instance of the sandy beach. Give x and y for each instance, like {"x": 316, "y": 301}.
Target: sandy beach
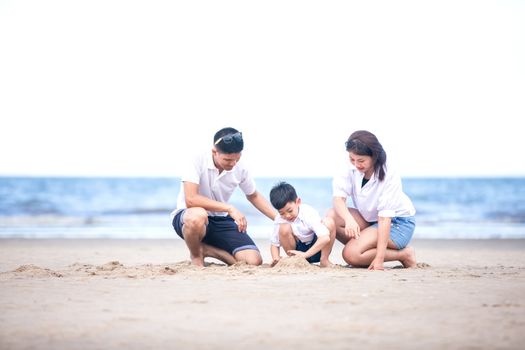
{"x": 136, "y": 294}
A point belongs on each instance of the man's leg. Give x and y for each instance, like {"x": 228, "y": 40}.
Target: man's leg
{"x": 250, "y": 256}
{"x": 194, "y": 230}
{"x": 219, "y": 254}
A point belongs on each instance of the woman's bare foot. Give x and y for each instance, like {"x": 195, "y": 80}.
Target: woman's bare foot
{"x": 409, "y": 259}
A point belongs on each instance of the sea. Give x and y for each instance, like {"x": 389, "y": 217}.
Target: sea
{"x": 139, "y": 208}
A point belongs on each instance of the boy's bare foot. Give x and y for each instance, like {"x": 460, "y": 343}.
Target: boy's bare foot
{"x": 409, "y": 259}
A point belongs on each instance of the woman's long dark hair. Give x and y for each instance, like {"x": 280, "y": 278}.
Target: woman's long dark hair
{"x": 364, "y": 143}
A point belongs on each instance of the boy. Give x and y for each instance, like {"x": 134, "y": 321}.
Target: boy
{"x": 299, "y": 228}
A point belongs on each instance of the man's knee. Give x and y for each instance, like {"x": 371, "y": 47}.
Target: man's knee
{"x": 249, "y": 256}
{"x": 195, "y": 220}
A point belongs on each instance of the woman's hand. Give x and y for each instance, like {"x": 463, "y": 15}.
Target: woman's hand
{"x": 377, "y": 264}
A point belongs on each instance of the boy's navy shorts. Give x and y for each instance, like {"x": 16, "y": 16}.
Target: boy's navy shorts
{"x": 303, "y": 247}
{"x": 221, "y": 232}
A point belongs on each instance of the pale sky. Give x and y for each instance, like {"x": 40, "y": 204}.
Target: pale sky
{"x": 126, "y": 88}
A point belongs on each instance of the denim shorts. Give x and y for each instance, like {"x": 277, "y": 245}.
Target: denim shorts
{"x": 401, "y": 230}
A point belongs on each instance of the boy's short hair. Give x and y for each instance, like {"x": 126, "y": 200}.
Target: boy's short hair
{"x": 281, "y": 194}
{"x": 228, "y": 140}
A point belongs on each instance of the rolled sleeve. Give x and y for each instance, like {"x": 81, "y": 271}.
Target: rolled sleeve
{"x": 388, "y": 200}
{"x": 341, "y": 186}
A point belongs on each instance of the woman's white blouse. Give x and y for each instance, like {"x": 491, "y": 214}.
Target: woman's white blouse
{"x": 375, "y": 199}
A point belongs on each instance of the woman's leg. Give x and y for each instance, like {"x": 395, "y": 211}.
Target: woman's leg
{"x": 360, "y": 252}
{"x": 340, "y": 223}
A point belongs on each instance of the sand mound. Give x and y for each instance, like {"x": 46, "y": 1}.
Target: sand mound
{"x": 294, "y": 263}
{"x": 35, "y": 271}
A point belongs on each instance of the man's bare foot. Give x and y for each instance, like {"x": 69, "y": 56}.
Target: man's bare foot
{"x": 326, "y": 263}
{"x": 197, "y": 261}
{"x": 409, "y": 259}
{"x": 219, "y": 254}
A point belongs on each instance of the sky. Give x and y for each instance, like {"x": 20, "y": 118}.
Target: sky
{"x": 130, "y": 88}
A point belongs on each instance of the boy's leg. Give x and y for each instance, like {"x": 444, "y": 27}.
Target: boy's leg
{"x": 327, "y": 249}
{"x": 287, "y": 238}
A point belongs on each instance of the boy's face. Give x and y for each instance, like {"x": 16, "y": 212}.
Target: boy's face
{"x": 290, "y": 211}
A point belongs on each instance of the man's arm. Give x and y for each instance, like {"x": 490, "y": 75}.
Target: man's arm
{"x": 262, "y": 204}
{"x": 194, "y": 199}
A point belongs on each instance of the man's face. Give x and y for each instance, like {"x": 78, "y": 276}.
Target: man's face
{"x": 225, "y": 161}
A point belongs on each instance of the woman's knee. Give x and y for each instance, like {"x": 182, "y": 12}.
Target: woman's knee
{"x": 351, "y": 254}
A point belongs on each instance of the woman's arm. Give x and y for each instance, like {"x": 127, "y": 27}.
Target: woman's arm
{"x": 352, "y": 229}
{"x": 383, "y": 234}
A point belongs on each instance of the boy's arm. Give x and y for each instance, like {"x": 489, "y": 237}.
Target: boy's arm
{"x": 274, "y": 250}
{"x": 318, "y": 227}
{"x": 318, "y": 245}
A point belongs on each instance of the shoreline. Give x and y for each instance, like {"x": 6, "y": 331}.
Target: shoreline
{"x": 122, "y": 293}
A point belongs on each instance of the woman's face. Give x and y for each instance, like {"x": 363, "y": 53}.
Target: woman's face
{"x": 363, "y": 164}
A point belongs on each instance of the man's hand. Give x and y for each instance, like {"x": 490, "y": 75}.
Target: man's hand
{"x": 239, "y": 218}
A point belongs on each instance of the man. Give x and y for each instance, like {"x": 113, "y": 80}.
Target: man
{"x": 210, "y": 226}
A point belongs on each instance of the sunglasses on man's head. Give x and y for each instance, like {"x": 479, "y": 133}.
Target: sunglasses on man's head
{"x": 227, "y": 139}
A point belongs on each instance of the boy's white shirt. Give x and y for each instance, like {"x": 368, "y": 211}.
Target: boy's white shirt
{"x": 377, "y": 198}
{"x": 305, "y": 226}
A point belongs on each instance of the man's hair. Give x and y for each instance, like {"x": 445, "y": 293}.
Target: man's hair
{"x": 235, "y": 144}
{"x": 281, "y": 194}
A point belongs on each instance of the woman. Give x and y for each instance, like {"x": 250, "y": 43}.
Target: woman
{"x": 382, "y": 223}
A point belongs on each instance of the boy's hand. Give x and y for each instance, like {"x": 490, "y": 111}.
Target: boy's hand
{"x": 297, "y": 253}
{"x": 275, "y": 261}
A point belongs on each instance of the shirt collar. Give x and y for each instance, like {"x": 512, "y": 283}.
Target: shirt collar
{"x": 211, "y": 165}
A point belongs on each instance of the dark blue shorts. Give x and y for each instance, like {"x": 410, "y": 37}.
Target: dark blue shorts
{"x": 303, "y": 247}
{"x": 221, "y": 232}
